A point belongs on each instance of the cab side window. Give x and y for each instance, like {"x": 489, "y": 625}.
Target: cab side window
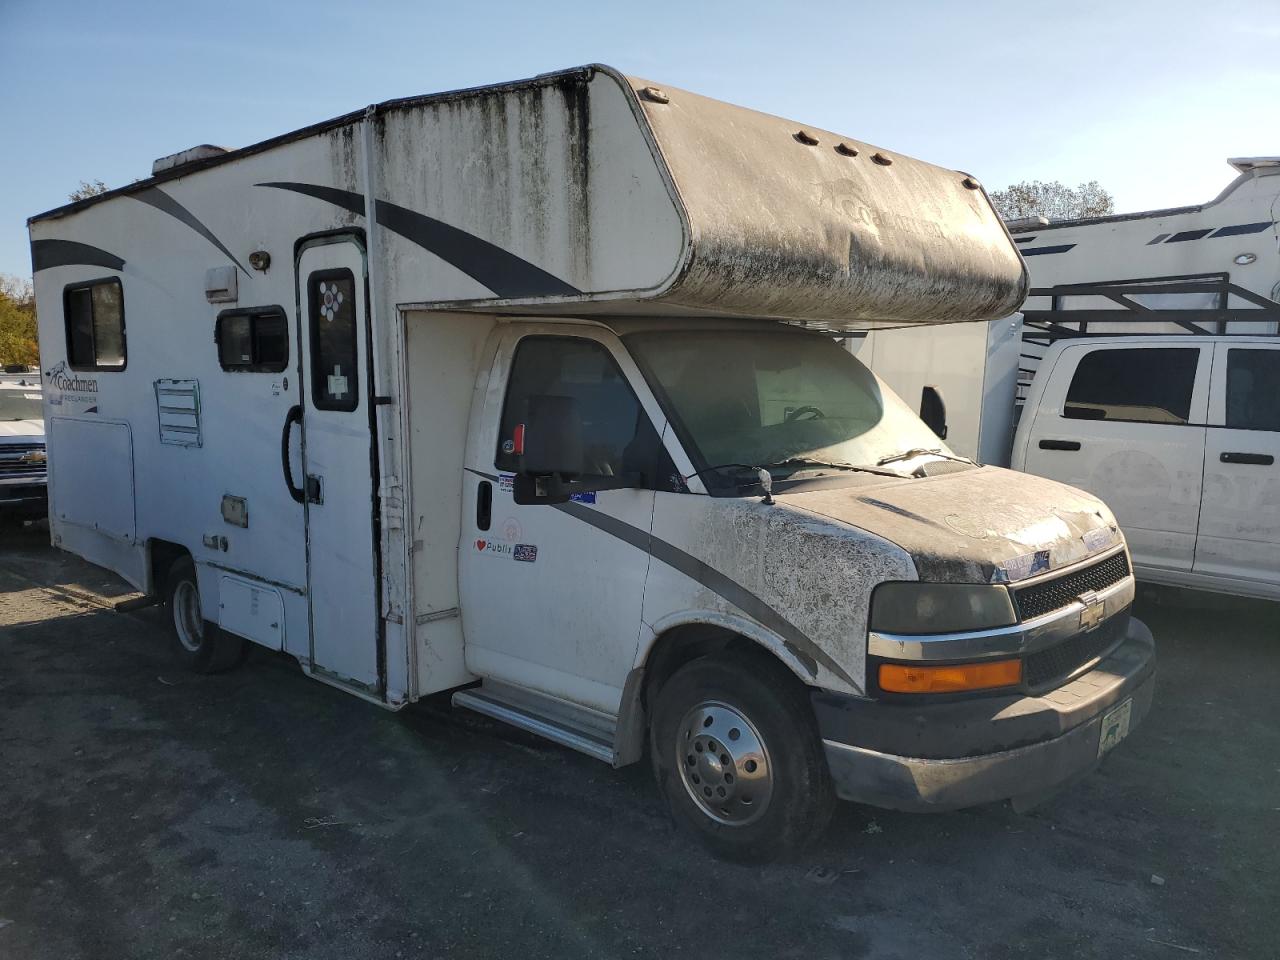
{"x": 617, "y": 437}
{"x": 1144, "y": 385}
{"x": 94, "y": 317}
{"x": 1253, "y": 397}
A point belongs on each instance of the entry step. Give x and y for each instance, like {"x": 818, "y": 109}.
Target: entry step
{"x": 568, "y": 724}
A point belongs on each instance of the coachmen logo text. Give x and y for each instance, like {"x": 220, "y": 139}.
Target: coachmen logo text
{"x": 68, "y": 382}
{"x": 64, "y": 385}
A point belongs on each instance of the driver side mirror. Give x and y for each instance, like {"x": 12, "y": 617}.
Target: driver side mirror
{"x": 554, "y": 458}
{"x": 933, "y": 411}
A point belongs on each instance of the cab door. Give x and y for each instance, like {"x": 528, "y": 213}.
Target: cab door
{"x": 1240, "y": 517}
{"x": 339, "y": 462}
{"x": 1126, "y": 423}
{"x": 551, "y": 594}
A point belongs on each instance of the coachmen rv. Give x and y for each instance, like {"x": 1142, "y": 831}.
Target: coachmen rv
{"x": 1143, "y": 369}
{"x": 529, "y": 392}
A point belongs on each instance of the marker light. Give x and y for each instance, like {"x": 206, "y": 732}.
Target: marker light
{"x": 953, "y": 678}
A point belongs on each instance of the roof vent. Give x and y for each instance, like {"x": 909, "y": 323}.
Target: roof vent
{"x": 185, "y": 158}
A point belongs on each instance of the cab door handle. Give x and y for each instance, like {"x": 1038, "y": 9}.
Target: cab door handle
{"x": 1260, "y": 459}
{"x": 1059, "y": 444}
{"x": 484, "y": 505}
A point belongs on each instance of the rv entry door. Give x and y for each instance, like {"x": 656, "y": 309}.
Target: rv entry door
{"x": 339, "y": 462}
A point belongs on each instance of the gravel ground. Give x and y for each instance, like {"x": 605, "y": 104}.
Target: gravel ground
{"x": 146, "y": 812}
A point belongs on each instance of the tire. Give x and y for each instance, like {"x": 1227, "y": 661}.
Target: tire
{"x": 774, "y": 795}
{"x": 201, "y": 646}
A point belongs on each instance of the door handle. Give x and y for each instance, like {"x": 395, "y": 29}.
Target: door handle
{"x": 484, "y": 505}
{"x": 1059, "y": 444}
{"x": 1259, "y": 459}
{"x": 293, "y": 416}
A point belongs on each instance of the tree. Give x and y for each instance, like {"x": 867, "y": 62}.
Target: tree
{"x": 17, "y": 322}
{"x": 87, "y": 190}
{"x": 1053, "y": 200}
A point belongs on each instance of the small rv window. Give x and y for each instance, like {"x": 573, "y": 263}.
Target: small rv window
{"x": 335, "y": 376}
{"x": 1144, "y": 385}
{"x": 94, "y": 316}
{"x": 253, "y": 340}
{"x": 1253, "y": 402}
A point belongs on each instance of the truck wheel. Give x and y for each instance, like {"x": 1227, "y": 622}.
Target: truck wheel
{"x": 737, "y": 756}
{"x": 202, "y": 646}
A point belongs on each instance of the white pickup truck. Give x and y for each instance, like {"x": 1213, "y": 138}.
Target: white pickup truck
{"x": 23, "y": 486}
{"x": 1180, "y": 436}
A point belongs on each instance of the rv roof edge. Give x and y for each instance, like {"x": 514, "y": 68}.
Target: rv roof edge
{"x": 602, "y": 193}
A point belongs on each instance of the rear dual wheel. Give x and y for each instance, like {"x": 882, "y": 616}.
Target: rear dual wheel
{"x": 738, "y": 758}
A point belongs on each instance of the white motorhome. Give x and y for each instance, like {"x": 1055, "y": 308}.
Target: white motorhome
{"x": 1142, "y": 369}
{"x": 529, "y": 392}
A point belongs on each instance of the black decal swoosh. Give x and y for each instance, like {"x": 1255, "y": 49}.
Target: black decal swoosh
{"x": 801, "y": 647}
{"x": 61, "y": 253}
{"x": 155, "y": 197}
{"x": 500, "y": 270}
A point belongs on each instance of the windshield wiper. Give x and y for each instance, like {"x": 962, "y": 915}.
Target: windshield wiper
{"x": 831, "y": 465}
{"x": 920, "y": 452}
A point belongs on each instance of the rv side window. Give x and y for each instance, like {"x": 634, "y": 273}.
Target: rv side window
{"x": 94, "y": 316}
{"x": 253, "y": 340}
{"x": 1253, "y": 402}
{"x": 617, "y": 436}
{"x": 335, "y": 379}
{"x": 1143, "y": 385}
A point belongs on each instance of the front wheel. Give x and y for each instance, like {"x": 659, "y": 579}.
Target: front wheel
{"x": 737, "y": 756}
{"x": 201, "y": 645}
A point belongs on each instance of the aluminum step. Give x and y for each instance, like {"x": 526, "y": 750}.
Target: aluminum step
{"x": 568, "y": 724}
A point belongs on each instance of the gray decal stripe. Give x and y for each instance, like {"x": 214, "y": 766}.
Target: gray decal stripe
{"x": 1040, "y": 251}
{"x": 500, "y": 270}
{"x": 155, "y": 197}
{"x": 801, "y": 647}
{"x": 62, "y": 253}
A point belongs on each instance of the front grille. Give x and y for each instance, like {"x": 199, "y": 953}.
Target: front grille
{"x": 12, "y": 464}
{"x": 1050, "y": 595}
{"x": 1045, "y": 666}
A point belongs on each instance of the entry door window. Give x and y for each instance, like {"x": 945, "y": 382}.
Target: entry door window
{"x": 335, "y": 377}
{"x": 1253, "y": 389}
{"x": 1143, "y": 385}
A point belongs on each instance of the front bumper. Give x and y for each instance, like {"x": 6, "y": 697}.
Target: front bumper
{"x": 28, "y": 497}
{"x": 949, "y": 755}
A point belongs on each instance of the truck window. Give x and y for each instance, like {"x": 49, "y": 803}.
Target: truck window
{"x": 94, "y": 316}
{"x": 1143, "y": 385}
{"x": 617, "y": 435}
{"x": 1253, "y": 402}
{"x": 335, "y": 379}
{"x": 253, "y": 340}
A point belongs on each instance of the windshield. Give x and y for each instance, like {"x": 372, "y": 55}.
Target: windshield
{"x": 20, "y": 404}
{"x": 762, "y": 398}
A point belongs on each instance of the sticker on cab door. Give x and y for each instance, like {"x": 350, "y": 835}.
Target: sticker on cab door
{"x": 526, "y": 552}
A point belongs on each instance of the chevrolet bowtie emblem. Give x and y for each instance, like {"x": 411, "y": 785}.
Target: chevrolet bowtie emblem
{"x": 1094, "y": 610}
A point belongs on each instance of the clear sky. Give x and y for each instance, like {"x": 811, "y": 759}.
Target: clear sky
{"x": 1149, "y": 98}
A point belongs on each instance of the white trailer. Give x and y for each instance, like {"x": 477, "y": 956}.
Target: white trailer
{"x": 523, "y": 391}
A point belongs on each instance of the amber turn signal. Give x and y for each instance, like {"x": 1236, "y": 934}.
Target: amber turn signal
{"x": 910, "y": 678}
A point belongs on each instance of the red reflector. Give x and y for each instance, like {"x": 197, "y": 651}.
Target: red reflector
{"x": 517, "y": 440}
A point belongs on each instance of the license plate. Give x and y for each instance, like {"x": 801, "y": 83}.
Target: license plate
{"x": 1115, "y": 726}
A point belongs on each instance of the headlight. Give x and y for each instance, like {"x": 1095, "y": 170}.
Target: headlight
{"x": 911, "y": 608}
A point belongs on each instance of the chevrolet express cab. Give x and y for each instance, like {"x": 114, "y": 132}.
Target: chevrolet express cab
{"x": 530, "y": 393}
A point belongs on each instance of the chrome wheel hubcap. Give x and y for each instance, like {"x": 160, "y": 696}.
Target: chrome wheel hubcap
{"x": 724, "y": 763}
{"x": 186, "y": 616}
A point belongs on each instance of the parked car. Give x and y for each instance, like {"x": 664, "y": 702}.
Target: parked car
{"x": 23, "y": 479}
{"x": 1180, "y": 436}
